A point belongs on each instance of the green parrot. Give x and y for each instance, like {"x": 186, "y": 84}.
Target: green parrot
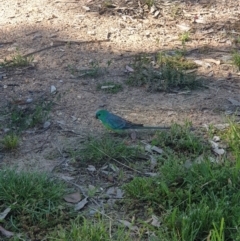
{"x": 117, "y": 123}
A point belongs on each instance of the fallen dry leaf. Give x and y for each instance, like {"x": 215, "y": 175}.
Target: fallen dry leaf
{"x": 150, "y": 148}
{"x": 129, "y": 225}
{"x": 107, "y": 87}
{"x": 214, "y": 144}
{"x": 183, "y": 27}
{"x": 153, "y": 162}
{"x": 115, "y": 192}
{"x": 4, "y": 213}
{"x": 73, "y": 197}
{"x": 216, "y": 138}
{"x": 221, "y": 126}
{"x": 189, "y": 71}
{"x": 81, "y": 204}
{"x": 151, "y": 174}
{"x": 234, "y": 102}
{"x": 187, "y": 164}
{"x": 65, "y": 178}
{"x": 5, "y": 232}
{"x": 133, "y": 135}
{"x": 198, "y": 62}
{"x": 155, "y": 221}
{"x": 157, "y": 149}
{"x": 200, "y": 20}
{"x": 86, "y": 8}
{"x": 91, "y": 168}
{"x": 129, "y": 69}
{"x": 217, "y": 62}
{"x": 114, "y": 168}
{"x": 219, "y": 151}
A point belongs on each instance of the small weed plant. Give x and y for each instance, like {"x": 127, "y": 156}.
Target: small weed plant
{"x": 10, "y": 141}
{"x": 232, "y": 137}
{"x": 176, "y": 10}
{"x": 18, "y": 60}
{"x": 168, "y": 73}
{"x": 236, "y": 59}
{"x": 18, "y": 119}
{"x": 184, "y": 37}
{"x": 149, "y": 3}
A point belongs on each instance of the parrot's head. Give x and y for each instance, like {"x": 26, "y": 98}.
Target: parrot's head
{"x": 101, "y": 114}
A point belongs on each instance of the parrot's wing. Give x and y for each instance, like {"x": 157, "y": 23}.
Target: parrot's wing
{"x": 116, "y": 122}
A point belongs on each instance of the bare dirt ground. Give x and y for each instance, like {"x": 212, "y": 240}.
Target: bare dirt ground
{"x": 75, "y": 33}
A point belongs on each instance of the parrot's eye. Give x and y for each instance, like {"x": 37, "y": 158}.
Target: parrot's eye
{"x": 97, "y": 115}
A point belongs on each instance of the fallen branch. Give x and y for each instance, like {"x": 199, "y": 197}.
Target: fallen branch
{"x": 59, "y": 42}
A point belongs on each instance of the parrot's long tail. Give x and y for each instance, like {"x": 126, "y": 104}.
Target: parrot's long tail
{"x": 156, "y": 128}
{"x": 151, "y": 127}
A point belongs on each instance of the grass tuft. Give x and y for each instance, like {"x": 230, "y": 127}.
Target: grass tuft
{"x": 34, "y": 198}
{"x": 182, "y": 141}
{"x": 18, "y": 60}
{"x": 10, "y": 141}
{"x": 177, "y": 61}
{"x": 236, "y": 59}
{"x": 19, "y": 118}
{"x": 232, "y": 137}
{"x": 104, "y": 149}
{"x": 85, "y": 230}
{"x": 166, "y": 75}
{"x": 149, "y": 3}
{"x": 184, "y": 37}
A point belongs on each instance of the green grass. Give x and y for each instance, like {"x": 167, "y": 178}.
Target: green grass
{"x": 232, "y": 137}
{"x": 168, "y": 74}
{"x": 18, "y": 60}
{"x": 190, "y": 201}
{"x": 106, "y": 148}
{"x": 177, "y": 61}
{"x": 149, "y": 3}
{"x": 175, "y": 11}
{"x": 82, "y": 229}
{"x": 236, "y": 59}
{"x": 110, "y": 87}
{"x": 217, "y": 234}
{"x": 198, "y": 202}
{"x": 181, "y": 141}
{"x": 237, "y": 40}
{"x": 35, "y": 201}
{"x": 10, "y": 141}
{"x": 108, "y": 3}
{"x": 184, "y": 37}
